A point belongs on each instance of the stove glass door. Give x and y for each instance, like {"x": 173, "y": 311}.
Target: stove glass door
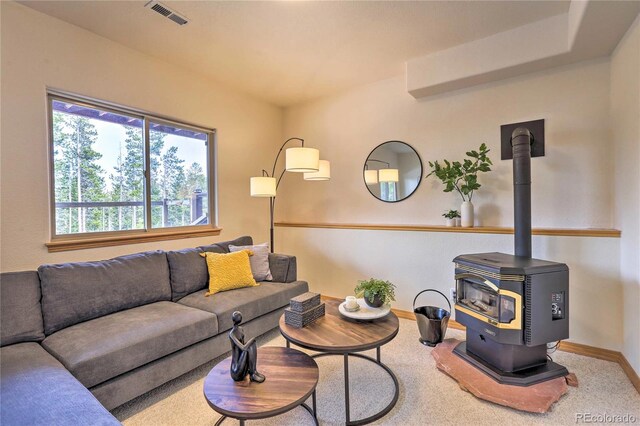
{"x": 482, "y": 296}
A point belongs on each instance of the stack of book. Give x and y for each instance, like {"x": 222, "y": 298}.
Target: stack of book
{"x": 303, "y": 310}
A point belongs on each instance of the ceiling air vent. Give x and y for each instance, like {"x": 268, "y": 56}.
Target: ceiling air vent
{"x": 167, "y": 12}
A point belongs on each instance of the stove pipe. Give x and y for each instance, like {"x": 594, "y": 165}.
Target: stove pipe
{"x": 521, "y": 145}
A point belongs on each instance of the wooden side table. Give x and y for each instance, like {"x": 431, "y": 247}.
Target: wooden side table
{"x": 292, "y": 376}
{"x": 334, "y": 335}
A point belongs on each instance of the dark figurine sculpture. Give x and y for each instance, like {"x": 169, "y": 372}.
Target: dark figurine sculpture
{"x": 244, "y": 356}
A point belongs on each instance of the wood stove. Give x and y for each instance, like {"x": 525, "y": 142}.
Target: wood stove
{"x": 513, "y": 305}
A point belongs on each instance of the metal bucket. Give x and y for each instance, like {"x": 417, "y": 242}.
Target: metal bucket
{"x": 432, "y": 321}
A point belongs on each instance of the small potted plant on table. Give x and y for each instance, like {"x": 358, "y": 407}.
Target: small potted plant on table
{"x": 452, "y": 216}
{"x": 375, "y": 292}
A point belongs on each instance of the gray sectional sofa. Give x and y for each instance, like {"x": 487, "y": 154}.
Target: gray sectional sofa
{"x": 79, "y": 339}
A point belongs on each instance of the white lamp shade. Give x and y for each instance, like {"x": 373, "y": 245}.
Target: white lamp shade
{"x": 388, "y": 175}
{"x": 371, "y": 177}
{"x": 302, "y": 159}
{"x": 323, "y": 174}
{"x": 263, "y": 186}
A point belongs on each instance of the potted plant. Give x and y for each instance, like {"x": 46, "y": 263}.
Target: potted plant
{"x": 451, "y": 216}
{"x": 375, "y": 292}
{"x": 462, "y": 177}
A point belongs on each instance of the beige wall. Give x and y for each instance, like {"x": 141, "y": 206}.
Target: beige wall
{"x": 39, "y": 52}
{"x": 625, "y": 113}
{"x": 333, "y": 260}
{"x": 571, "y": 188}
{"x": 571, "y": 185}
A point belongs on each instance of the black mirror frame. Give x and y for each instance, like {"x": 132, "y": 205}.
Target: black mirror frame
{"x": 419, "y": 180}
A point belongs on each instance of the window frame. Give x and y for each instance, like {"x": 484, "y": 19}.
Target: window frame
{"x": 61, "y": 242}
{"x": 385, "y": 191}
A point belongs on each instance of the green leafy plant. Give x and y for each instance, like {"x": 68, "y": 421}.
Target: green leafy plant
{"x": 371, "y": 288}
{"x": 451, "y": 214}
{"x": 462, "y": 177}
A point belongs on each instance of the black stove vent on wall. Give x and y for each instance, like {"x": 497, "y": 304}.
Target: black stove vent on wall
{"x": 513, "y": 305}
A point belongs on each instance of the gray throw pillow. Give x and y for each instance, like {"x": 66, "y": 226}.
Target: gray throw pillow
{"x": 259, "y": 261}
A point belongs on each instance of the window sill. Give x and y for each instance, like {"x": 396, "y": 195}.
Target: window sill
{"x": 64, "y": 244}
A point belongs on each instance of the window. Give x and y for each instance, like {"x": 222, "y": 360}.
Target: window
{"x": 388, "y": 191}
{"x": 117, "y": 171}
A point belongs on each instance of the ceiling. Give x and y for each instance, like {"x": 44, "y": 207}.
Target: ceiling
{"x": 288, "y": 52}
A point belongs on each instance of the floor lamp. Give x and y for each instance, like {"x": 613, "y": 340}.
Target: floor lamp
{"x": 297, "y": 159}
{"x": 371, "y": 177}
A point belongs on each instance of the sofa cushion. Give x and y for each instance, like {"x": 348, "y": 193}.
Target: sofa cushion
{"x": 284, "y": 268}
{"x": 228, "y": 271}
{"x": 188, "y": 272}
{"x": 20, "y": 312}
{"x": 250, "y": 301}
{"x": 103, "y": 348}
{"x": 223, "y": 247}
{"x": 76, "y": 292}
{"x": 35, "y": 389}
{"x": 259, "y": 261}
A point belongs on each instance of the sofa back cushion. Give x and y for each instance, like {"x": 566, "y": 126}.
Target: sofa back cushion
{"x": 20, "y": 312}
{"x": 77, "y": 292}
{"x": 284, "y": 268}
{"x": 189, "y": 270}
{"x": 223, "y": 247}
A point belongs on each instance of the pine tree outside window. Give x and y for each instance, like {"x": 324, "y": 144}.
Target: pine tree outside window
{"x": 388, "y": 191}
{"x": 119, "y": 171}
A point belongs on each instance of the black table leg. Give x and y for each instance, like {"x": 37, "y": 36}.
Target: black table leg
{"x": 377, "y": 360}
{"x": 315, "y": 408}
{"x": 223, "y": 418}
{"x": 346, "y": 386}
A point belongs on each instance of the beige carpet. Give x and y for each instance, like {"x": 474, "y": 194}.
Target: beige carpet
{"x": 427, "y": 396}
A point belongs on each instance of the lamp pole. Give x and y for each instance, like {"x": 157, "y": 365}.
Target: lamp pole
{"x": 272, "y": 200}
{"x": 378, "y": 161}
{"x": 299, "y": 160}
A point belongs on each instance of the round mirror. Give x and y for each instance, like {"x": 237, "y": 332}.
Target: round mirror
{"x": 392, "y": 171}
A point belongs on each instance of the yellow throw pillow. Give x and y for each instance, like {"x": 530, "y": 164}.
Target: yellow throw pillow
{"x": 229, "y": 271}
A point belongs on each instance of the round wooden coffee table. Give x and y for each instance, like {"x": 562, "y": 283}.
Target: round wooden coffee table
{"x": 334, "y": 334}
{"x": 292, "y": 376}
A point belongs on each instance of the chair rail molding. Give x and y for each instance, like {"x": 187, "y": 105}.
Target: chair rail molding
{"x": 563, "y": 232}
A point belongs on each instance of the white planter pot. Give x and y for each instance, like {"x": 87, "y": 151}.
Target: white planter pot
{"x": 451, "y": 222}
{"x": 466, "y": 211}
